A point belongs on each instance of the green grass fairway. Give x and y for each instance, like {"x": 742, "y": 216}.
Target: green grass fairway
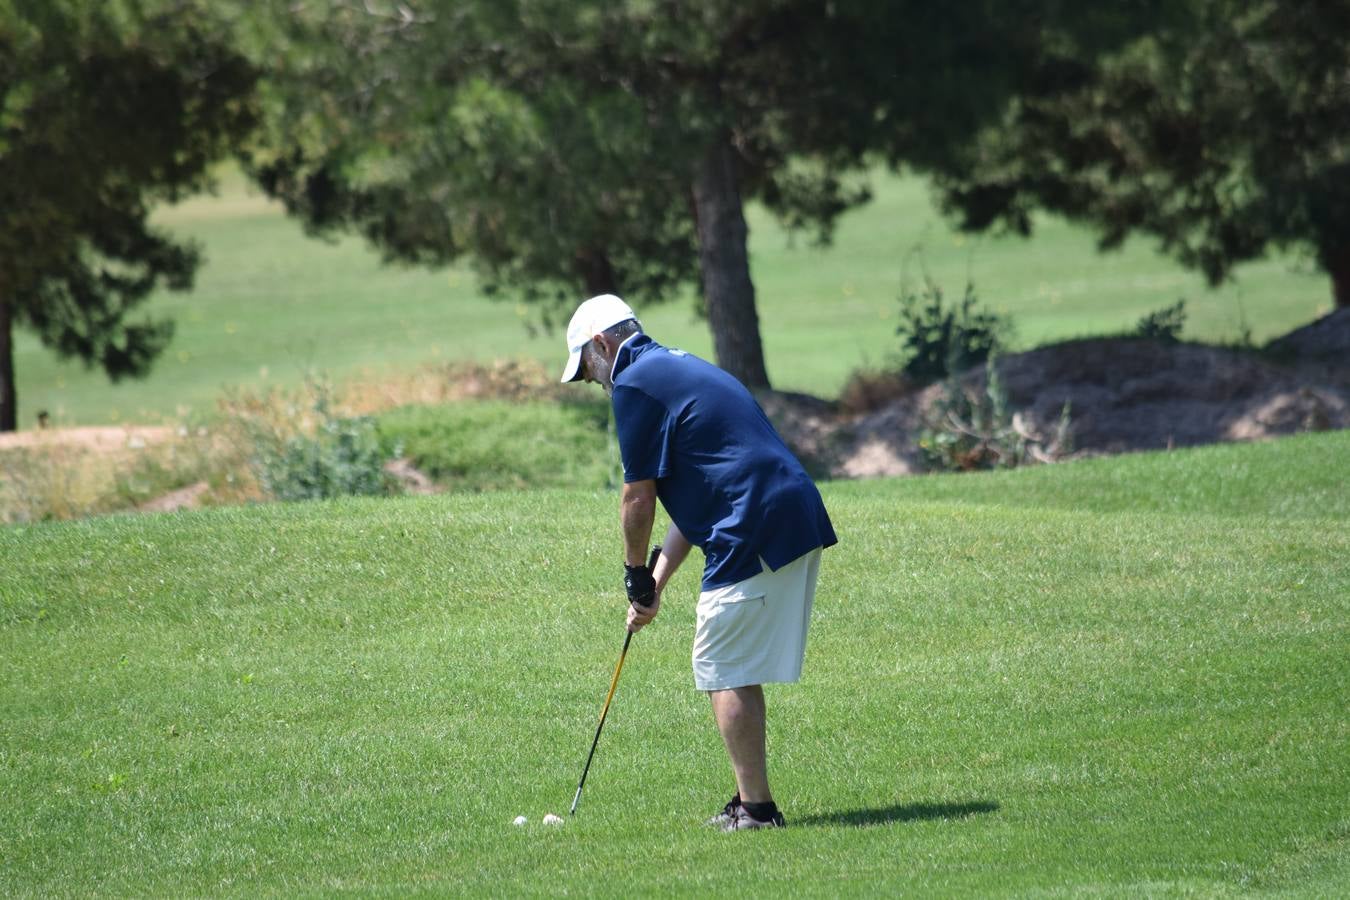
{"x": 1015, "y": 685}
{"x": 271, "y": 304}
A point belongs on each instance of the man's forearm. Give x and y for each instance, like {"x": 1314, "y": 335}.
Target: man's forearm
{"x": 637, "y": 512}
{"x": 673, "y": 551}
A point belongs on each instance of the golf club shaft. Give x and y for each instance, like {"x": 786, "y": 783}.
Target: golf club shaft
{"x": 613, "y": 683}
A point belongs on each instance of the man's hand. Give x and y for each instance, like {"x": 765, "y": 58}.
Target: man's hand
{"x": 641, "y": 615}
{"x": 644, "y": 599}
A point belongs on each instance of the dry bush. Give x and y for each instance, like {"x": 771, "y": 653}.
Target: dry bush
{"x": 49, "y": 480}
{"x": 869, "y": 390}
{"x": 55, "y": 478}
{"x": 431, "y": 385}
{"x": 291, "y": 411}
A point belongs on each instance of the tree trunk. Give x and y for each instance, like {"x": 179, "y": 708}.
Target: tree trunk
{"x": 596, "y": 271}
{"x": 1337, "y": 263}
{"x": 9, "y": 403}
{"x": 727, "y": 289}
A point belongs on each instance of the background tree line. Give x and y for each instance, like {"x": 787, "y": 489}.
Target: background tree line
{"x": 569, "y": 148}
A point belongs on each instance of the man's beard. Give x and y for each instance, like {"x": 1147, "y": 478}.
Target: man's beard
{"x": 601, "y": 370}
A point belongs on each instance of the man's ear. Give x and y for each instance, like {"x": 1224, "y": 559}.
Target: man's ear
{"x": 604, "y": 346}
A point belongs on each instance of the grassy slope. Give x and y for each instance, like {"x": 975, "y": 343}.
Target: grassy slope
{"x": 271, "y": 304}
{"x": 490, "y": 445}
{"x": 1104, "y": 695}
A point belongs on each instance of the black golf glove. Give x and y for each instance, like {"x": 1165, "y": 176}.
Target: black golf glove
{"x": 640, "y": 584}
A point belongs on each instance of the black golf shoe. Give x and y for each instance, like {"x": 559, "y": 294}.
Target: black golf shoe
{"x": 728, "y": 812}
{"x": 741, "y": 820}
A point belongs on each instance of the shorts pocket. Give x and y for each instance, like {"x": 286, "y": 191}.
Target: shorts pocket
{"x": 728, "y": 627}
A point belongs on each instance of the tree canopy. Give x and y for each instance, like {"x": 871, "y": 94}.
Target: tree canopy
{"x": 612, "y": 145}
{"x": 105, "y": 110}
{"x": 1222, "y": 135}
{"x": 418, "y": 130}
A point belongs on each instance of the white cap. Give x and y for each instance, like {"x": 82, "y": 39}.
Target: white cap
{"x": 592, "y": 317}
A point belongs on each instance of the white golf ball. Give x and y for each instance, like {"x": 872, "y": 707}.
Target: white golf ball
{"x": 551, "y": 819}
{"x": 519, "y": 820}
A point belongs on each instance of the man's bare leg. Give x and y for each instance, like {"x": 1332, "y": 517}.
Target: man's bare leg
{"x": 740, "y": 718}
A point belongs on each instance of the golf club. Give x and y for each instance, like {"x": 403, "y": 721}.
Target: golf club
{"x": 614, "y": 682}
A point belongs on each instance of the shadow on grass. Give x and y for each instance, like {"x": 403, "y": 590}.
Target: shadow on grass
{"x": 908, "y": 812}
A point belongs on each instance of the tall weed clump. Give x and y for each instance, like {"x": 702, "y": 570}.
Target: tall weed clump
{"x": 967, "y": 429}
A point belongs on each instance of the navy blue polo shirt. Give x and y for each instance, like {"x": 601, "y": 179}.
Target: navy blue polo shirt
{"x": 723, "y": 474}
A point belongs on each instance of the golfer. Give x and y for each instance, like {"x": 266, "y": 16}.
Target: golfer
{"x": 693, "y": 437}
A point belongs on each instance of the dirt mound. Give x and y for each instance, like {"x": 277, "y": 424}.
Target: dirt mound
{"x": 1326, "y": 339}
{"x": 1138, "y": 395}
{"x": 1122, "y": 395}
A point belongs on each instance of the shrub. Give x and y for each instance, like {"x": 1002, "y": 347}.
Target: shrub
{"x": 319, "y": 454}
{"x": 1164, "y": 325}
{"x": 940, "y": 341}
{"x": 966, "y": 430}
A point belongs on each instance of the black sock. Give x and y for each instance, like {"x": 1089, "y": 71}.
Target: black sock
{"x": 761, "y": 812}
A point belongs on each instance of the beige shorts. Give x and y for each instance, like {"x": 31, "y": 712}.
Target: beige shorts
{"x": 754, "y": 631}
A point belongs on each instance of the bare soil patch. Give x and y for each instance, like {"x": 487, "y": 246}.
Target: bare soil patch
{"x": 189, "y": 497}
{"x": 413, "y": 479}
{"x": 100, "y": 439}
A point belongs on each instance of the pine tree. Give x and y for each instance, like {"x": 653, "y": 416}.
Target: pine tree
{"x": 105, "y": 110}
